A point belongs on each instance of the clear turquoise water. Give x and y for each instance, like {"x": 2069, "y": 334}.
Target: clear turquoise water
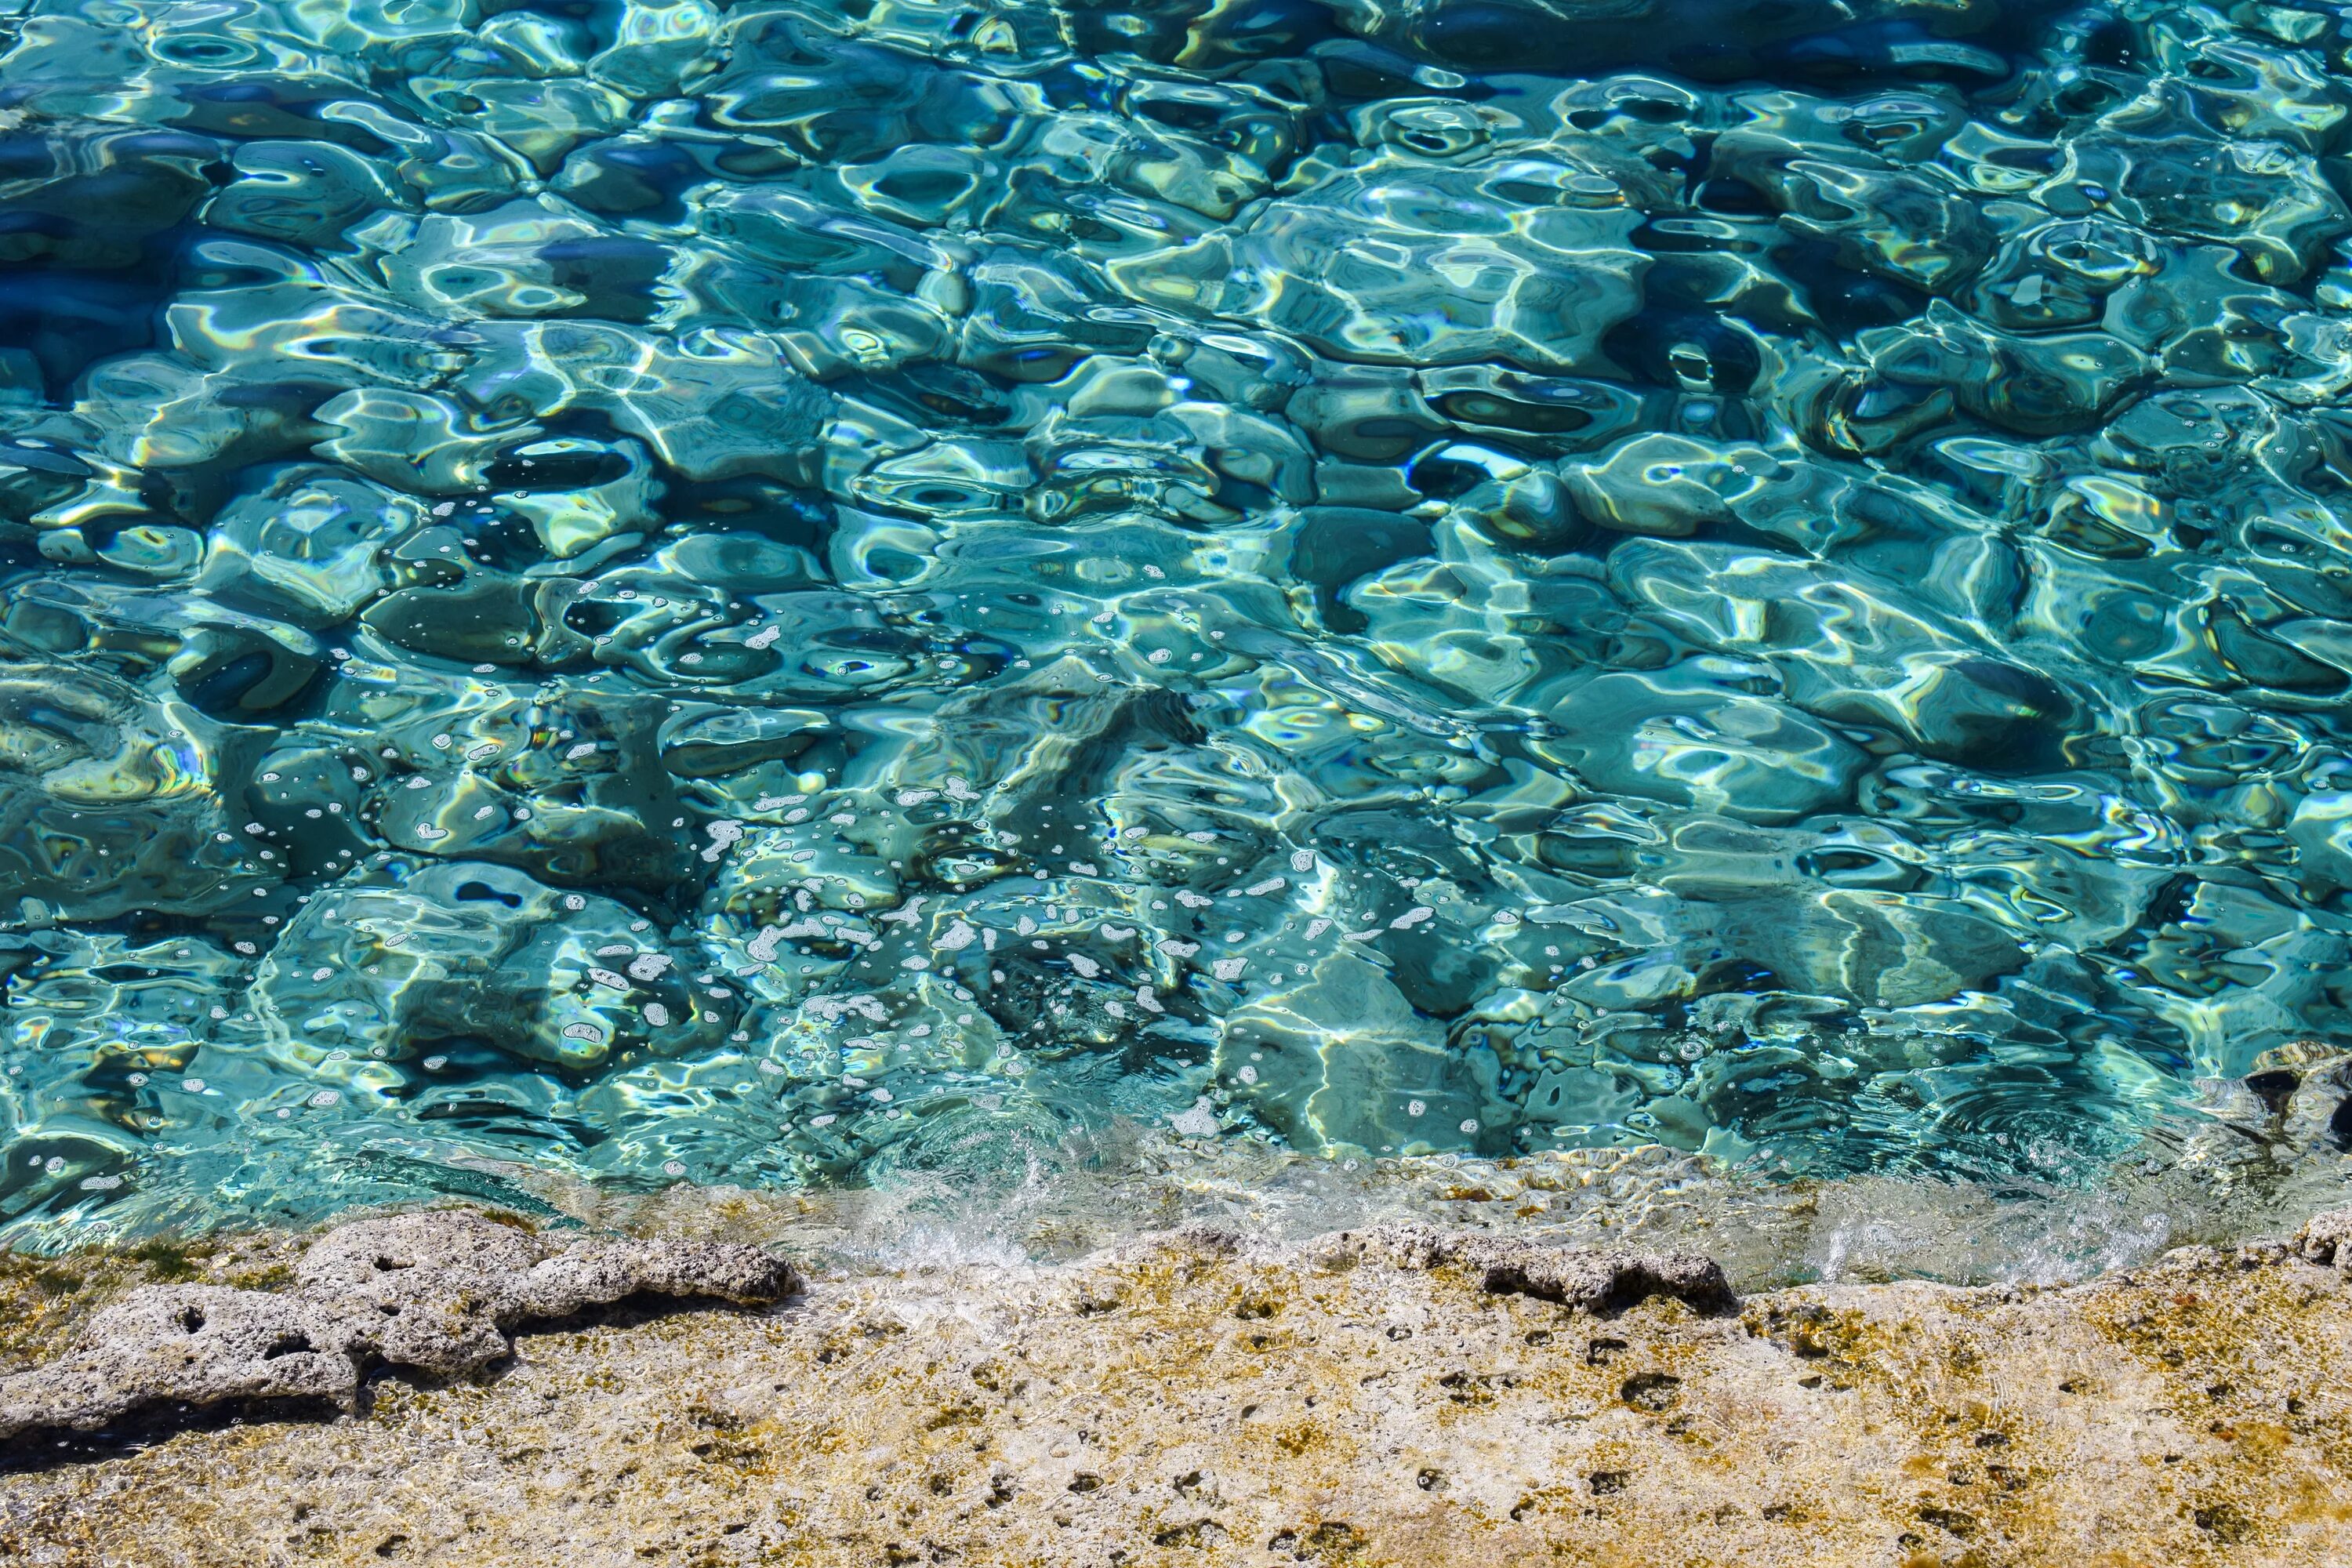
{"x": 778, "y": 592}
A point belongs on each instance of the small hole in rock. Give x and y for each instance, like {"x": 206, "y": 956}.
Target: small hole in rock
{"x": 1650, "y": 1391}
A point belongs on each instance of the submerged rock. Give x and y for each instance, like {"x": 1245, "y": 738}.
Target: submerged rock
{"x": 469, "y": 951}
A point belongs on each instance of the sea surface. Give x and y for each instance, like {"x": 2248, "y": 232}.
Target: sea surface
{"x": 784, "y": 593}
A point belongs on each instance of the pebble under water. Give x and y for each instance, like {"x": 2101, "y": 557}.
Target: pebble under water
{"x": 778, "y": 592}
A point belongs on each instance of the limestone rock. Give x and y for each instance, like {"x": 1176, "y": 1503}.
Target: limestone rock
{"x": 2325, "y": 1239}
{"x": 1392, "y": 1395}
{"x": 437, "y": 1292}
{"x": 1586, "y": 1278}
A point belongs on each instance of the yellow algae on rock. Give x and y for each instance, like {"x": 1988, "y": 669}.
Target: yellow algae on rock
{"x": 1381, "y": 1398}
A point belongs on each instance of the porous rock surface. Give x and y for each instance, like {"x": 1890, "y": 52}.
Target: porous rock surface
{"x": 1589, "y": 1279}
{"x": 436, "y": 1292}
{"x": 1393, "y": 1396}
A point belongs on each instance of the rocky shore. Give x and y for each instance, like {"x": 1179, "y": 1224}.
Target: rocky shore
{"x": 1402, "y": 1395}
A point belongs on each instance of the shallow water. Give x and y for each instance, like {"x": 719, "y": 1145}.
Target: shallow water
{"x": 792, "y": 593}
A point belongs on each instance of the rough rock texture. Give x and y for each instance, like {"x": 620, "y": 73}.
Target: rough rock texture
{"x": 437, "y": 1293}
{"x": 1586, "y": 1278}
{"x": 2325, "y": 1239}
{"x": 1387, "y": 1397}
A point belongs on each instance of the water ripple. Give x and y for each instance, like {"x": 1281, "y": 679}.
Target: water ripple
{"x": 781, "y": 592}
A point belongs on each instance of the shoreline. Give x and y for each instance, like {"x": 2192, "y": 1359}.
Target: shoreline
{"x": 1383, "y": 1396}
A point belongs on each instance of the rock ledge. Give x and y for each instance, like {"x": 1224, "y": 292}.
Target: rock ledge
{"x": 436, "y": 1292}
